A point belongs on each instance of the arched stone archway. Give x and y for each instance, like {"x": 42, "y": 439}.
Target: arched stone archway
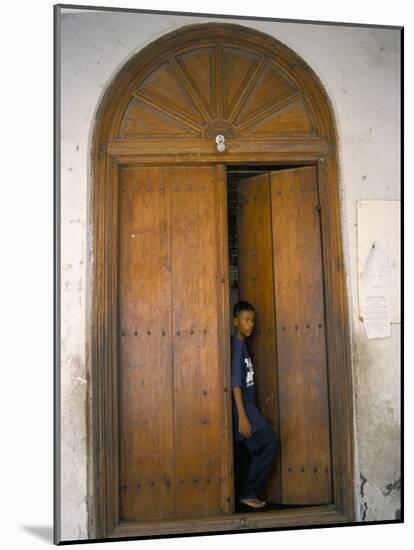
{"x": 165, "y": 108}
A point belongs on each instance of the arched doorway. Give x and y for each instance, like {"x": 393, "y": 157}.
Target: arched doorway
{"x": 160, "y": 323}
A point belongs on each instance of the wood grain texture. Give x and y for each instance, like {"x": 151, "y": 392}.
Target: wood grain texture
{"x": 147, "y": 462}
{"x": 184, "y": 144}
{"x": 300, "y": 319}
{"x": 192, "y": 53}
{"x": 219, "y": 83}
{"x": 148, "y": 116}
{"x": 198, "y": 383}
{"x": 280, "y": 272}
{"x": 172, "y": 415}
{"x": 223, "y": 307}
{"x": 239, "y": 523}
{"x": 254, "y": 229}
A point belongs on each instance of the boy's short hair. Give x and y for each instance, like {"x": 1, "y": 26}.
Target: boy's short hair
{"x": 242, "y": 306}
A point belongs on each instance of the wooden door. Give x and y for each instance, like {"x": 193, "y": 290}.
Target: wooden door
{"x": 279, "y": 221}
{"x": 174, "y": 459}
{"x": 256, "y": 284}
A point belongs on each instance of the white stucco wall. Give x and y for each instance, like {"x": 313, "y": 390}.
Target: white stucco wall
{"x": 359, "y": 68}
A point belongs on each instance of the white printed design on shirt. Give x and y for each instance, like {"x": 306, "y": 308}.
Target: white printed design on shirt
{"x": 250, "y": 372}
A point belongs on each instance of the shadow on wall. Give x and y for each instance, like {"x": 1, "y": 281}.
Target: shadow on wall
{"x": 43, "y": 532}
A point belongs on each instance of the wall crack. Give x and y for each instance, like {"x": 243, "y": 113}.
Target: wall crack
{"x": 363, "y": 505}
{"x": 395, "y": 486}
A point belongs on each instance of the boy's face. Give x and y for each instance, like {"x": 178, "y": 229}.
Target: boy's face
{"x": 244, "y": 323}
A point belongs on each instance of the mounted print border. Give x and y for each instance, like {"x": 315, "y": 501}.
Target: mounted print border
{"x": 136, "y": 127}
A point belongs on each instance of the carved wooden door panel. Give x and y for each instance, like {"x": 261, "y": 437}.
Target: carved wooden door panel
{"x": 173, "y": 456}
{"x": 165, "y": 107}
{"x": 254, "y": 228}
{"x": 280, "y": 264}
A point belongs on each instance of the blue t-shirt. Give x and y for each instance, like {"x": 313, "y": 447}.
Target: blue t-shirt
{"x": 242, "y": 375}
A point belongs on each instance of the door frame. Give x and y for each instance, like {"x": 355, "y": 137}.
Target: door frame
{"x": 104, "y": 387}
{"x": 107, "y": 154}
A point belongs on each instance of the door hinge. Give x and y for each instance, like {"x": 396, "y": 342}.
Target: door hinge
{"x": 102, "y": 150}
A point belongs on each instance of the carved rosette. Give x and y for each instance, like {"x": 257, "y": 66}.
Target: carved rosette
{"x": 219, "y": 126}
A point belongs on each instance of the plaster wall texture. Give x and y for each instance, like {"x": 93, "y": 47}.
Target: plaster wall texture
{"x": 359, "y": 68}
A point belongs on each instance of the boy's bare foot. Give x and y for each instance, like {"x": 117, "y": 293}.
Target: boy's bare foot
{"x": 253, "y": 502}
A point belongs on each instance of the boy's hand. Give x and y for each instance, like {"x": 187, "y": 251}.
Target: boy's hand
{"x": 244, "y": 426}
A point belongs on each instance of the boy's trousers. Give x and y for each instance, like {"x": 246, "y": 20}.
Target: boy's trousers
{"x": 262, "y": 447}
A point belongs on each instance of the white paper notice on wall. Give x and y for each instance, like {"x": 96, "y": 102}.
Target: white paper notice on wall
{"x": 374, "y": 292}
{"x": 379, "y": 265}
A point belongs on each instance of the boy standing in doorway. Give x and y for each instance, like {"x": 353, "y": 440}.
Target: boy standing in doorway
{"x": 249, "y": 426}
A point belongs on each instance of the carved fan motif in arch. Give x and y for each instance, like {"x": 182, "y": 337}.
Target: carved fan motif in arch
{"x": 214, "y": 89}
